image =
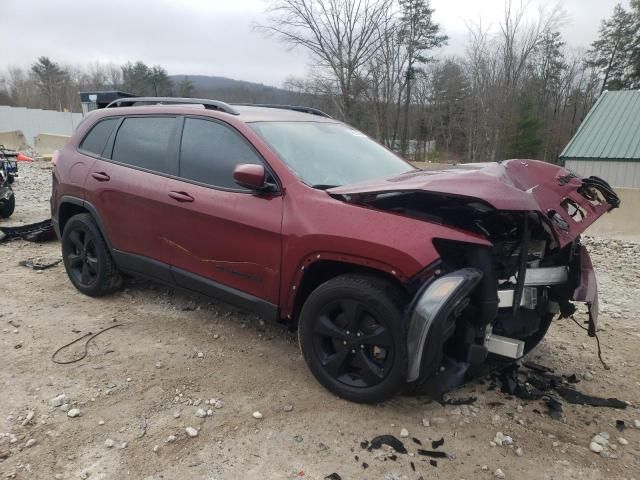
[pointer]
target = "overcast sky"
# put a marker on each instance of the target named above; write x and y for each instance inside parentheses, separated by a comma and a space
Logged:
(215, 37)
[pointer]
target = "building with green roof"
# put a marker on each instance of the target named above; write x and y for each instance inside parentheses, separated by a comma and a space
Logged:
(607, 144)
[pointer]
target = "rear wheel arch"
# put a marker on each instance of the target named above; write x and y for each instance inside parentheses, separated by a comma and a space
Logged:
(70, 206)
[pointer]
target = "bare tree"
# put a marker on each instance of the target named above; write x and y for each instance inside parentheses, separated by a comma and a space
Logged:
(384, 75)
(339, 34)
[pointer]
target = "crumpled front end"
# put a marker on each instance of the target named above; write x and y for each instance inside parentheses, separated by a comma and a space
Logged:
(480, 307)
(486, 307)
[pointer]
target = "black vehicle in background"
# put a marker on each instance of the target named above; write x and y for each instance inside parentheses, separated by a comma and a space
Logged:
(8, 173)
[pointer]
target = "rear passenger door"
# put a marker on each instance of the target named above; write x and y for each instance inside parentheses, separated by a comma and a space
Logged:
(221, 235)
(128, 188)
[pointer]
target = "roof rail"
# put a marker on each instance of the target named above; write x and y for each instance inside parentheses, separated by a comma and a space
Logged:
(206, 103)
(297, 108)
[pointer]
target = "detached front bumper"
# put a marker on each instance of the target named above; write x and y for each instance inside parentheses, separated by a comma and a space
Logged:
(430, 318)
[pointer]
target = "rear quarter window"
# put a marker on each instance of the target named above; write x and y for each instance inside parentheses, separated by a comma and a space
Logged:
(96, 140)
(146, 142)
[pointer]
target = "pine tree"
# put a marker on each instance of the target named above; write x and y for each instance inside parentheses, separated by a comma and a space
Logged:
(613, 53)
(50, 79)
(419, 34)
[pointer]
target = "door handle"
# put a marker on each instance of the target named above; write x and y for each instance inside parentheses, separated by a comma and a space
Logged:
(181, 196)
(101, 176)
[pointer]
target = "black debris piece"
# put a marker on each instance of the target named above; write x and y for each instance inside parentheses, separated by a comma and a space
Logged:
(540, 384)
(537, 367)
(578, 398)
(495, 404)
(431, 453)
(390, 440)
(437, 443)
(393, 457)
(620, 426)
(554, 408)
(357, 458)
(413, 466)
(333, 476)
(433, 463)
(416, 441)
(573, 378)
(460, 401)
(34, 232)
(35, 264)
(365, 465)
(364, 444)
(509, 379)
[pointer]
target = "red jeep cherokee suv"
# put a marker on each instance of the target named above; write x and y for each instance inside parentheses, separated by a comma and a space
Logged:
(395, 277)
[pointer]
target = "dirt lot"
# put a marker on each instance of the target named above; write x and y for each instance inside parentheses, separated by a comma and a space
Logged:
(143, 382)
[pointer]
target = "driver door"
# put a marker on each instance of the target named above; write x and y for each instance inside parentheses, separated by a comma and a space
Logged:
(222, 239)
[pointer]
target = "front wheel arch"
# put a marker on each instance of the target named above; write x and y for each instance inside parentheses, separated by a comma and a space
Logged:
(313, 274)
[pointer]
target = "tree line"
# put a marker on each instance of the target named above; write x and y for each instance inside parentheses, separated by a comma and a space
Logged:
(50, 85)
(516, 91)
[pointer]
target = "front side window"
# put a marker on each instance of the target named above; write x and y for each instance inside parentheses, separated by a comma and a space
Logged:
(145, 142)
(211, 151)
(327, 155)
(96, 140)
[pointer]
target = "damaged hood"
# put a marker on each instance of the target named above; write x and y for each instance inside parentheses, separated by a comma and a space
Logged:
(570, 203)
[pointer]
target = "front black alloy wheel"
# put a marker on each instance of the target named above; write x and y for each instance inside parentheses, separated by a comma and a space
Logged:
(87, 259)
(353, 337)
(354, 346)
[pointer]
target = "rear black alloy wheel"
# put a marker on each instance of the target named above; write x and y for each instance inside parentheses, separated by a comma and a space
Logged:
(354, 346)
(87, 258)
(353, 337)
(82, 257)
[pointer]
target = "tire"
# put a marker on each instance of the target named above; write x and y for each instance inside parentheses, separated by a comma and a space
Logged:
(353, 336)
(7, 206)
(87, 259)
(533, 340)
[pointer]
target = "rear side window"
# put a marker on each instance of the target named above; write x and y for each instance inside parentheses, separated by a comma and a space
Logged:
(96, 139)
(210, 152)
(145, 142)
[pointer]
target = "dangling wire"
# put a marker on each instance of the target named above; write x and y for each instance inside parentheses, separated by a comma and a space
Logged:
(606, 367)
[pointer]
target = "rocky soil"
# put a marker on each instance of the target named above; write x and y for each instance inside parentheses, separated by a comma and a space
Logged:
(187, 388)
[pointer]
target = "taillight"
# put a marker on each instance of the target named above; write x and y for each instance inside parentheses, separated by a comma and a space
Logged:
(54, 158)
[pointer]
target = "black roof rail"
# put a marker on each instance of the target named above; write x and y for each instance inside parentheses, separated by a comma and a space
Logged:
(206, 103)
(296, 108)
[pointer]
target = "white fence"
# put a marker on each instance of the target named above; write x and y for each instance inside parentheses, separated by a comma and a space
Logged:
(33, 121)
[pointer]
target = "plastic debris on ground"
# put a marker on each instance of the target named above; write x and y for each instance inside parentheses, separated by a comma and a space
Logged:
(541, 383)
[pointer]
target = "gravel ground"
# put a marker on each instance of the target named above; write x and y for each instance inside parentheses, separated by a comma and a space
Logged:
(173, 392)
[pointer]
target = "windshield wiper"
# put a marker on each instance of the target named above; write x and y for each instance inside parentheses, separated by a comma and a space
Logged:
(323, 186)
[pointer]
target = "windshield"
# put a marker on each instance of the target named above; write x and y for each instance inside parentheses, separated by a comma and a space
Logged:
(325, 155)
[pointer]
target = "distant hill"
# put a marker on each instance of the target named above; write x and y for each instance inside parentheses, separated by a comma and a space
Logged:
(231, 90)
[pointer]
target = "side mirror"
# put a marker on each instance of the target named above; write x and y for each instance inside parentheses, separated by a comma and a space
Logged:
(251, 176)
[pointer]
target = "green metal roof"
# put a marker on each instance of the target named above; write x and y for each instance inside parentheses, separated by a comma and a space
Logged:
(610, 131)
